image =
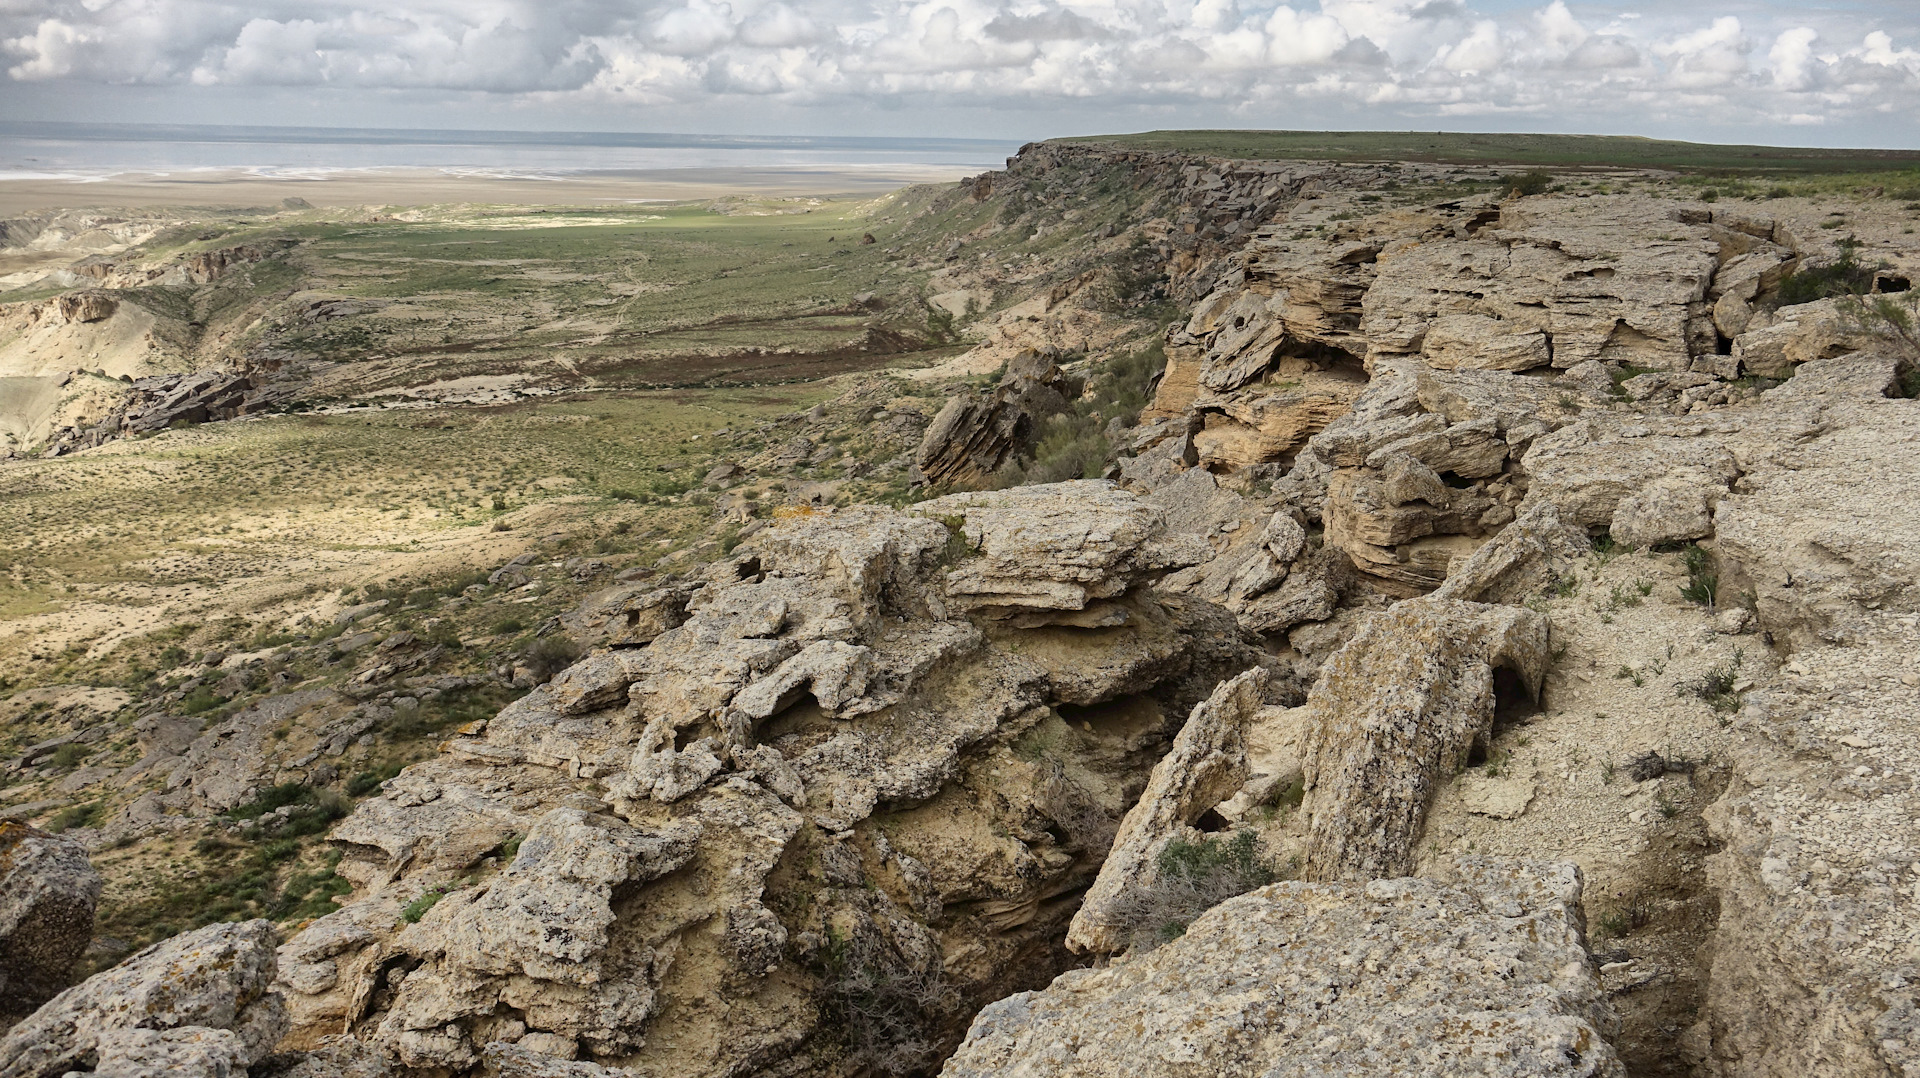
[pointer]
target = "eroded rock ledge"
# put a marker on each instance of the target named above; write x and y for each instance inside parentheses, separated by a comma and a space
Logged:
(1486, 974)
(880, 747)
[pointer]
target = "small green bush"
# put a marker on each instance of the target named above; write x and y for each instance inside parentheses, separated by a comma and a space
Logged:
(1844, 276)
(1532, 182)
(1716, 686)
(413, 911)
(85, 815)
(200, 701)
(274, 797)
(549, 655)
(1192, 878)
(958, 547)
(940, 329)
(1702, 585)
(70, 754)
(310, 894)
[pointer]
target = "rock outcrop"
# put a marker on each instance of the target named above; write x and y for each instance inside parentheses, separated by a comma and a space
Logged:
(48, 891)
(86, 306)
(975, 434)
(199, 1005)
(666, 831)
(1057, 553)
(158, 402)
(1486, 975)
(1262, 568)
(807, 807)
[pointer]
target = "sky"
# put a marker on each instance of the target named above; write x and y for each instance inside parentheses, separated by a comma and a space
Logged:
(1810, 72)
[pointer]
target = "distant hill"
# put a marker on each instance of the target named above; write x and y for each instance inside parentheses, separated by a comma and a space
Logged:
(1487, 149)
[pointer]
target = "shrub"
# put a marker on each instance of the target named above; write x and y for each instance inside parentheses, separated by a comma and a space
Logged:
(1532, 182)
(313, 811)
(1074, 444)
(1702, 586)
(885, 1015)
(367, 781)
(940, 328)
(1844, 276)
(72, 816)
(549, 655)
(274, 797)
(70, 754)
(1716, 686)
(1896, 321)
(1192, 878)
(310, 894)
(413, 911)
(202, 699)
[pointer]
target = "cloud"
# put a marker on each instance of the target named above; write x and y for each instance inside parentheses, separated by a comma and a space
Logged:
(1574, 60)
(1791, 60)
(1711, 57)
(53, 50)
(1053, 24)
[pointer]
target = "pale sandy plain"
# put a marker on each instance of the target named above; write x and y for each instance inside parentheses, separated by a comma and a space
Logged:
(425, 186)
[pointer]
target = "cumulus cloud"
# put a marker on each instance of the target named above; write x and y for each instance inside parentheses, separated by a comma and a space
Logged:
(1565, 58)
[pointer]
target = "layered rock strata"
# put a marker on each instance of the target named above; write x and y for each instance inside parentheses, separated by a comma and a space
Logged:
(622, 866)
(974, 435)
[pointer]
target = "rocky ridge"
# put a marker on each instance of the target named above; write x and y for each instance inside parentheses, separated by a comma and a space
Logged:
(873, 769)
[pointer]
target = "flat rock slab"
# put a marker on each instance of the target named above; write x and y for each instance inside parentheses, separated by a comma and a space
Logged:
(1487, 975)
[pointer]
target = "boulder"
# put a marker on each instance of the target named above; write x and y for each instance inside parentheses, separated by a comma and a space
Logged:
(628, 616)
(975, 434)
(210, 989)
(1666, 510)
(1395, 712)
(1798, 334)
(1400, 521)
(1057, 547)
(86, 307)
(48, 891)
(1527, 557)
(1296, 979)
(1586, 468)
(546, 915)
(191, 1052)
